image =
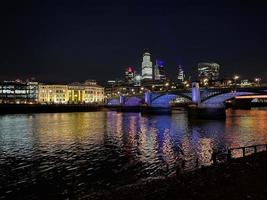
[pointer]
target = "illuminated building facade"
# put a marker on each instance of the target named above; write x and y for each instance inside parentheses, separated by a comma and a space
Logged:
(89, 92)
(53, 94)
(159, 71)
(75, 93)
(181, 75)
(18, 92)
(208, 70)
(208, 73)
(113, 87)
(147, 71)
(129, 75)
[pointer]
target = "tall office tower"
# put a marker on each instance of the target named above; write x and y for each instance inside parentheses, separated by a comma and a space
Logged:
(147, 71)
(181, 74)
(129, 75)
(156, 76)
(159, 70)
(208, 71)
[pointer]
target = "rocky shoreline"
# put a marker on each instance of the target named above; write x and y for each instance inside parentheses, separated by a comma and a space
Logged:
(241, 178)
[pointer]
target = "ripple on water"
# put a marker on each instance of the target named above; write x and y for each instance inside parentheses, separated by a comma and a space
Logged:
(76, 153)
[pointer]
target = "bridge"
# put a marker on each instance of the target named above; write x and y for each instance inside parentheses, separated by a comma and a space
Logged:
(152, 99)
(202, 98)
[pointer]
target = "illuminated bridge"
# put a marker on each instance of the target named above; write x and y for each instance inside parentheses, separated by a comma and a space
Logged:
(152, 99)
(202, 98)
(215, 97)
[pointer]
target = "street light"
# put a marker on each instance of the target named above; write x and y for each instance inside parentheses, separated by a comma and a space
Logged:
(257, 80)
(205, 82)
(236, 77)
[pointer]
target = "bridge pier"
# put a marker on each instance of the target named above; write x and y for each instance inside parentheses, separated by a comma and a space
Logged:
(196, 93)
(202, 110)
(122, 100)
(147, 97)
(150, 108)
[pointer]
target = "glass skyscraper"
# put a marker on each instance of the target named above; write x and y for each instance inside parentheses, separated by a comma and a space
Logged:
(208, 71)
(159, 70)
(181, 74)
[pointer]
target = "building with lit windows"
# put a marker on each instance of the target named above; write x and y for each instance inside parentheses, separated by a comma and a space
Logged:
(208, 70)
(147, 70)
(88, 92)
(159, 71)
(53, 94)
(93, 92)
(181, 75)
(208, 73)
(129, 75)
(18, 92)
(75, 93)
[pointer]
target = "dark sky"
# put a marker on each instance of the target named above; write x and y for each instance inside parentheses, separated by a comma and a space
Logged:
(96, 39)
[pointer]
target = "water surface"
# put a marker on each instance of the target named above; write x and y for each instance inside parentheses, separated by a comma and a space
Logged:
(74, 154)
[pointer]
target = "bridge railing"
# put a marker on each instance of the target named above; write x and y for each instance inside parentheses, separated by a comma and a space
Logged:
(245, 151)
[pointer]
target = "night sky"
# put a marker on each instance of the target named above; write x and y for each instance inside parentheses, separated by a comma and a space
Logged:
(67, 41)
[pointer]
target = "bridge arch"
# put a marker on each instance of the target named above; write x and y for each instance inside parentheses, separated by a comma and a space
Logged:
(133, 101)
(164, 100)
(113, 102)
(221, 98)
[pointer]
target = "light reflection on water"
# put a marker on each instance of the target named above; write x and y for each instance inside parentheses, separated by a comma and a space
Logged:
(104, 149)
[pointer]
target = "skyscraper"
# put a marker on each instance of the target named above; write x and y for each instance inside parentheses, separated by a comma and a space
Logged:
(159, 70)
(129, 75)
(181, 74)
(147, 70)
(209, 71)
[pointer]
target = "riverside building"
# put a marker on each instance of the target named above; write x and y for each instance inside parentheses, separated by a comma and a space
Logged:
(53, 94)
(75, 93)
(19, 92)
(88, 92)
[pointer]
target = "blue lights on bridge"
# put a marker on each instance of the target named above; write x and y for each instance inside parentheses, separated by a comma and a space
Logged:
(204, 97)
(133, 101)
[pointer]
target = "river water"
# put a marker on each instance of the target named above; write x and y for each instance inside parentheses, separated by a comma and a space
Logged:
(75, 154)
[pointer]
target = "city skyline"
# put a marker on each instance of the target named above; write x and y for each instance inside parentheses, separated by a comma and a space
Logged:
(137, 99)
(70, 41)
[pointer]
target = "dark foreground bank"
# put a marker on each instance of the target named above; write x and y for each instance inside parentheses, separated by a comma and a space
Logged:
(242, 178)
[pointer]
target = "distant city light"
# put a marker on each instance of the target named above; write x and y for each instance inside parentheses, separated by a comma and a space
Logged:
(236, 77)
(257, 80)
